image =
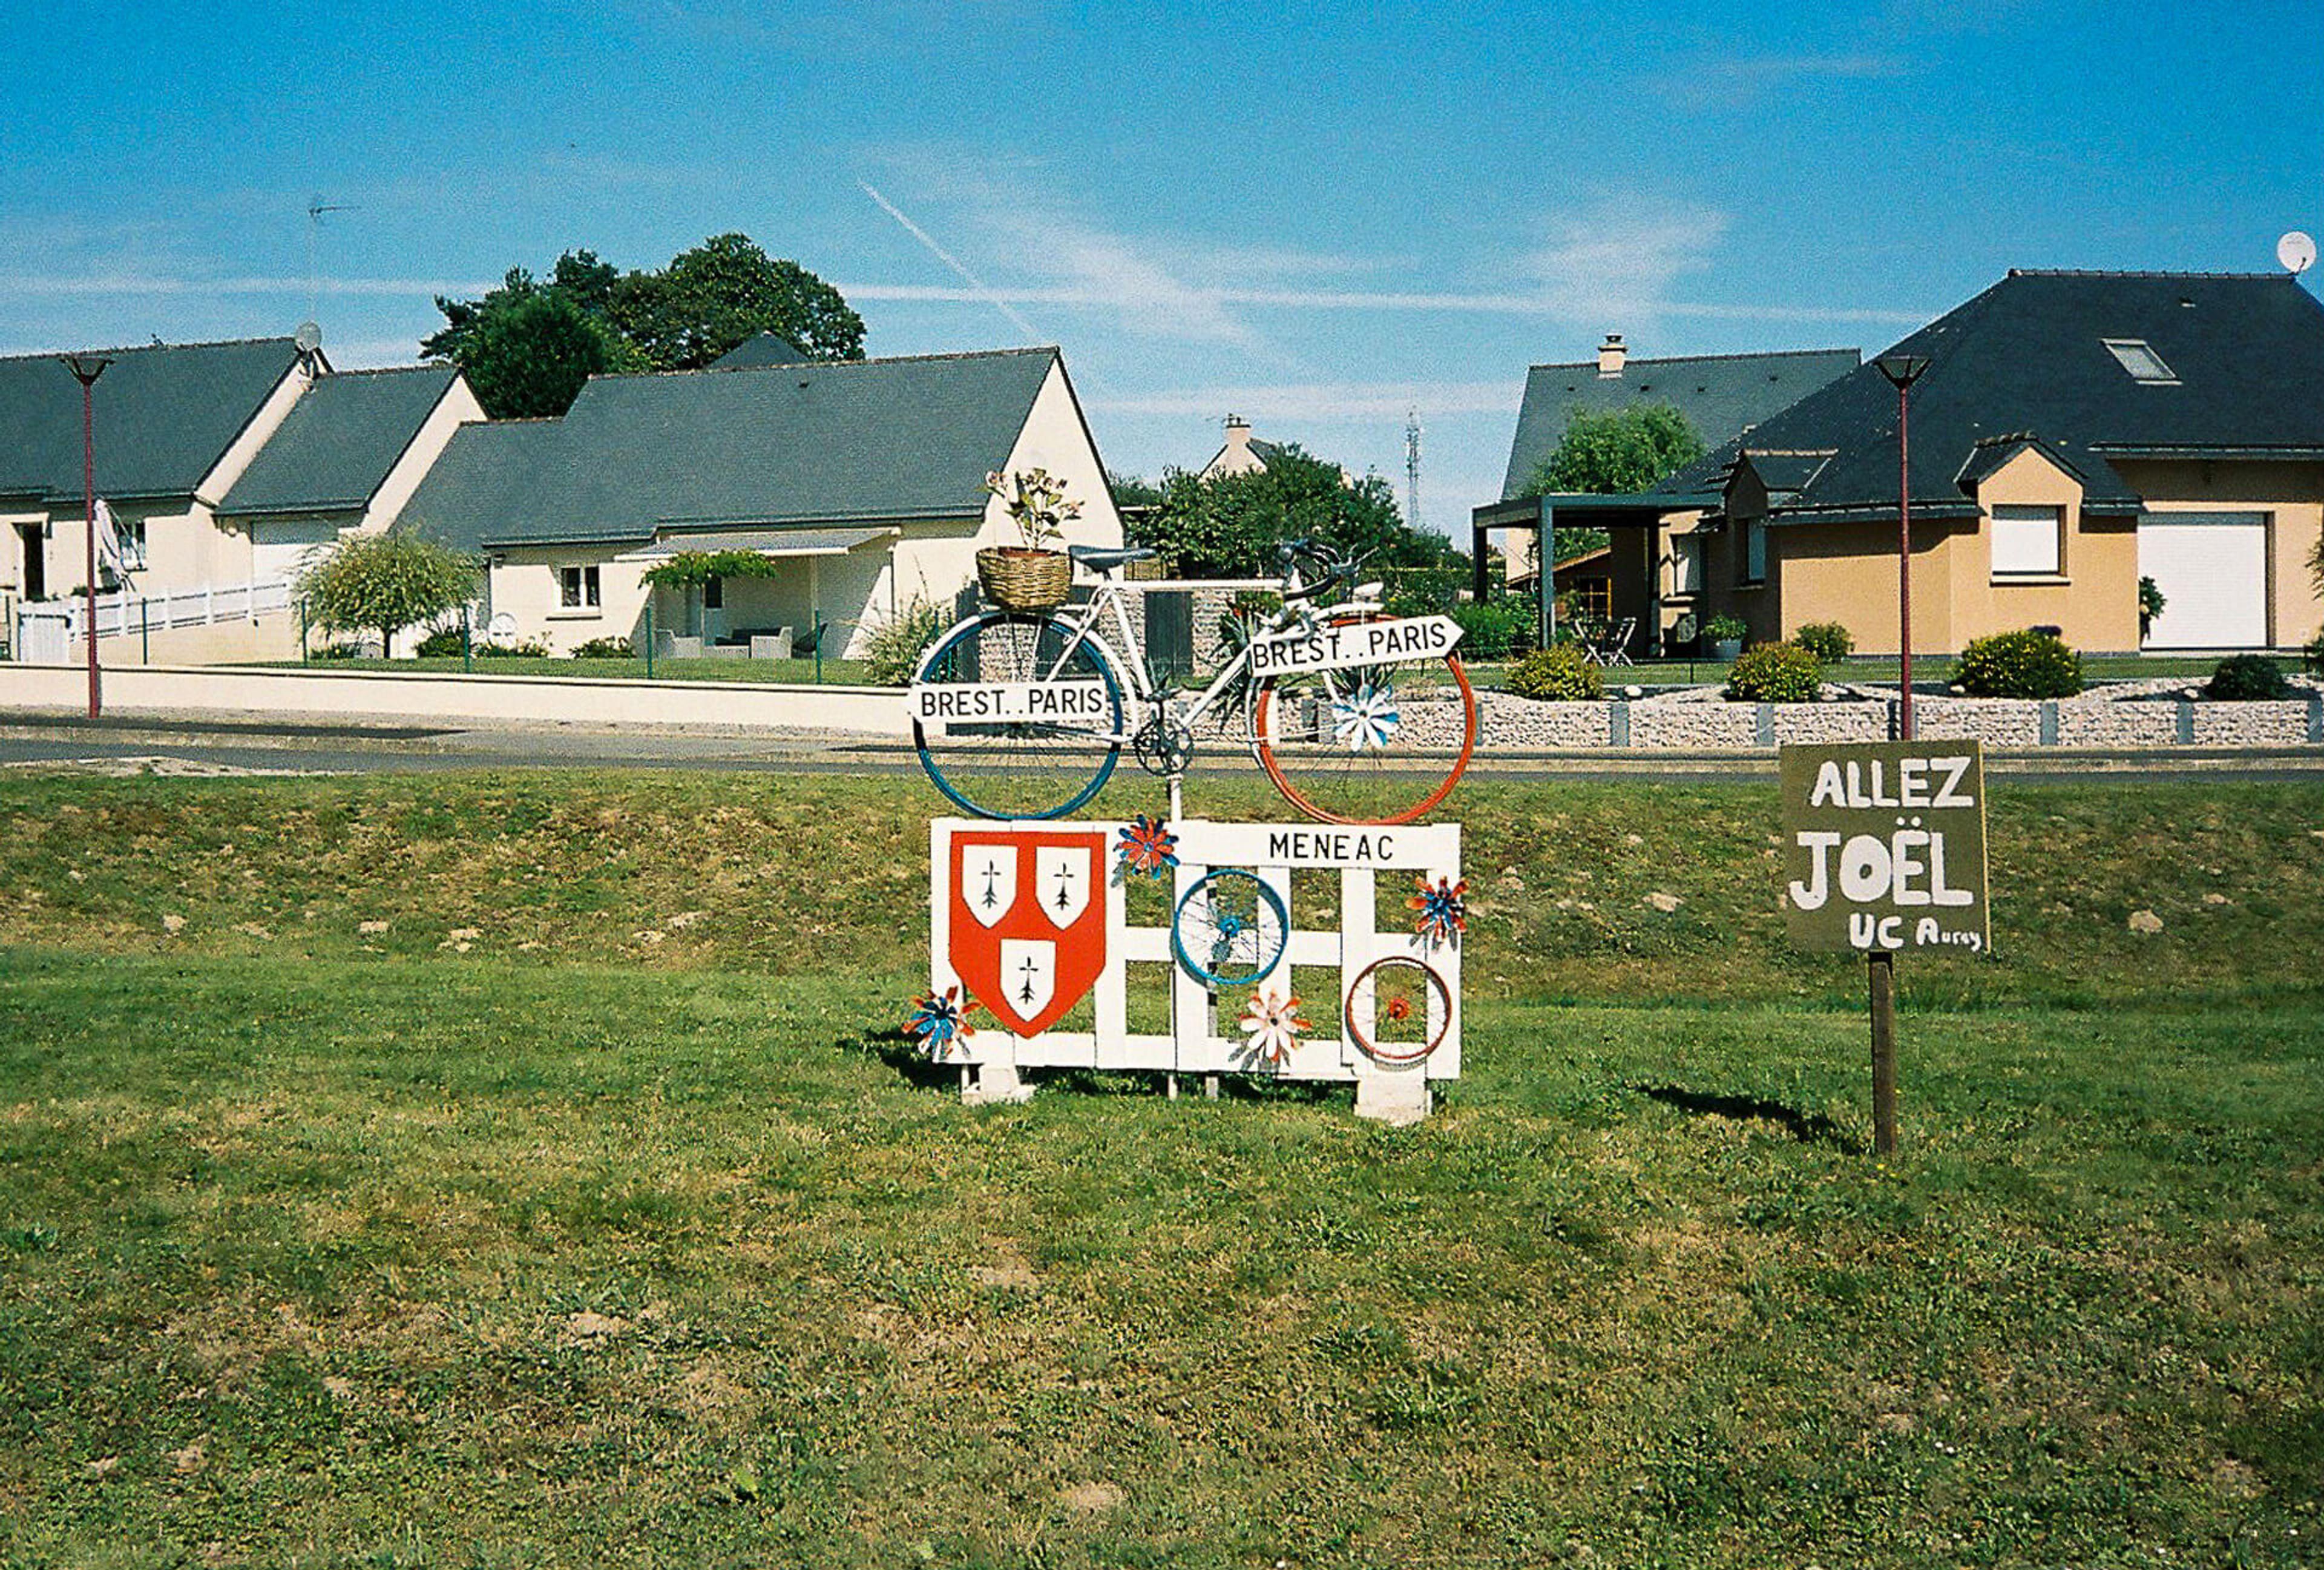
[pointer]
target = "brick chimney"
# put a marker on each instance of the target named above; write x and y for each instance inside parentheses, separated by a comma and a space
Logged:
(1611, 353)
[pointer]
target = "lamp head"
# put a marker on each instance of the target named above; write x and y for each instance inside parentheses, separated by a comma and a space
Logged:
(1902, 370)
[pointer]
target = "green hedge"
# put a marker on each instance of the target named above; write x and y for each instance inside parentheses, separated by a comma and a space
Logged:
(1558, 674)
(2247, 679)
(2027, 664)
(1776, 673)
(1827, 641)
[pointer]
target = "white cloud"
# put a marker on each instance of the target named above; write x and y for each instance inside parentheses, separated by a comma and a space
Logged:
(1619, 261)
(1738, 83)
(146, 284)
(1486, 302)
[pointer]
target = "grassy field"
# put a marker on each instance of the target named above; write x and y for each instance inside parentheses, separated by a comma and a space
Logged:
(499, 1171)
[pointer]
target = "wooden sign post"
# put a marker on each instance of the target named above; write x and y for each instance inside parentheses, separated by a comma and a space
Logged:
(1884, 852)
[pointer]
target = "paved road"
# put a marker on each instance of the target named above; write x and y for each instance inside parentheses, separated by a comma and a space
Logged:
(207, 744)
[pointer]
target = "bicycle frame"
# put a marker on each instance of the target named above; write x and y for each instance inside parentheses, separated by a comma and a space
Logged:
(1150, 697)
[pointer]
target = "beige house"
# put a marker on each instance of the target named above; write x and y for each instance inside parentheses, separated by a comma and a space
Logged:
(346, 458)
(2071, 433)
(862, 480)
(1243, 454)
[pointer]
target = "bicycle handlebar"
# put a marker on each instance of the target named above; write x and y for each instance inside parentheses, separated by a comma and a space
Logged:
(1330, 569)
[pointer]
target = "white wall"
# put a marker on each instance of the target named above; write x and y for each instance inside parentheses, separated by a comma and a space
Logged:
(457, 408)
(342, 694)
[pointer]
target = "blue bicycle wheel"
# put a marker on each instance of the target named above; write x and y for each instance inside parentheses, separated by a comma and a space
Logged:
(1230, 928)
(1017, 767)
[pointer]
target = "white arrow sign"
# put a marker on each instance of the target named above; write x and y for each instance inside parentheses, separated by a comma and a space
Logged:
(1353, 643)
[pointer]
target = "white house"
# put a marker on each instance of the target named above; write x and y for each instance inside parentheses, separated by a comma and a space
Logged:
(863, 478)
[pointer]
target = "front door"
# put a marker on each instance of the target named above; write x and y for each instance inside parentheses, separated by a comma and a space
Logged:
(36, 562)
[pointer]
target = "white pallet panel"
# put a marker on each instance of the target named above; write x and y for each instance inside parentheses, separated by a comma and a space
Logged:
(1206, 1035)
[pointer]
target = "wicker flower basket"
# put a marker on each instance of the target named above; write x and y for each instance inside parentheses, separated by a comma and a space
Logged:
(1017, 579)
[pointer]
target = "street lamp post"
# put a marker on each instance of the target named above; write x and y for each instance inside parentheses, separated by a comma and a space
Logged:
(86, 370)
(1880, 965)
(1903, 371)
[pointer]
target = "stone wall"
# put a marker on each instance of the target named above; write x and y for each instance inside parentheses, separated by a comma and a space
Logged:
(2156, 714)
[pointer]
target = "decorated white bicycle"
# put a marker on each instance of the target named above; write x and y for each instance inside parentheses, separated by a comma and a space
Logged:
(1357, 715)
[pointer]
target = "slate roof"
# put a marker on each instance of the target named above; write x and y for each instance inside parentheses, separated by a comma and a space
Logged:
(339, 441)
(2025, 364)
(166, 414)
(773, 542)
(1721, 395)
(699, 451)
(762, 350)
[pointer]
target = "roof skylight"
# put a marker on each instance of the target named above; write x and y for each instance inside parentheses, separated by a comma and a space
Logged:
(2141, 361)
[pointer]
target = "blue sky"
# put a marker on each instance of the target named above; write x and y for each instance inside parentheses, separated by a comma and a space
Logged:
(1317, 216)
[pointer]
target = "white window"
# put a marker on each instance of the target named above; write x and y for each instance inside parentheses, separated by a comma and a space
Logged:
(1755, 552)
(576, 588)
(130, 531)
(1686, 564)
(2138, 358)
(2026, 542)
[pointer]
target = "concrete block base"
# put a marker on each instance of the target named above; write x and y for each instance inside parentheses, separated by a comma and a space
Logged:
(1399, 1100)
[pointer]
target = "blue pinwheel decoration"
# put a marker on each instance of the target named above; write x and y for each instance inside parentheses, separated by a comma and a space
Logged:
(1443, 907)
(939, 1020)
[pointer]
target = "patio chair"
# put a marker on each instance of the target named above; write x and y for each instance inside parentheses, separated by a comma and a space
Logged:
(1614, 648)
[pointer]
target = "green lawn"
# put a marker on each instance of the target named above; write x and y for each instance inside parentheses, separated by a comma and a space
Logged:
(587, 1211)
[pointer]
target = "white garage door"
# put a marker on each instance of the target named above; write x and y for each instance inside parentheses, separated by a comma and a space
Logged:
(2212, 570)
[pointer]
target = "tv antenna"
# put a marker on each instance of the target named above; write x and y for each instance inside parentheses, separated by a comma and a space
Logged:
(316, 207)
(2297, 252)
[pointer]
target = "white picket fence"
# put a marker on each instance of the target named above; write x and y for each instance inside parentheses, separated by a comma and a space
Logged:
(48, 632)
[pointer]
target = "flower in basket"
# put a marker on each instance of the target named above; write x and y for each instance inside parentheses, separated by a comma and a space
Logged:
(1035, 499)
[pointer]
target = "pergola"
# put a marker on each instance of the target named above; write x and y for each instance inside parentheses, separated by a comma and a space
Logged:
(1541, 515)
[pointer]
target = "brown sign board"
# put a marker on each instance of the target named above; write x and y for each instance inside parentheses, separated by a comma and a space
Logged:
(1884, 848)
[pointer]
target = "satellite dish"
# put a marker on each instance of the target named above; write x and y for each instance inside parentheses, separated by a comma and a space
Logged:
(308, 338)
(2297, 252)
(500, 626)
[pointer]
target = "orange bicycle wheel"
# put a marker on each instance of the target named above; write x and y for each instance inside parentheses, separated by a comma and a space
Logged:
(1374, 744)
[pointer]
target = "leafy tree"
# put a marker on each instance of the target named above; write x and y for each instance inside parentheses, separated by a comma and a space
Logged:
(1612, 454)
(1617, 452)
(727, 290)
(528, 353)
(385, 583)
(1228, 526)
(1132, 491)
(534, 343)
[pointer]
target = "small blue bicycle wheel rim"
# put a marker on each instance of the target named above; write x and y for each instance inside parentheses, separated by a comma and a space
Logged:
(1202, 898)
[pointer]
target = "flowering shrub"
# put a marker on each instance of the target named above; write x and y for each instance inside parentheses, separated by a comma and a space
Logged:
(1035, 499)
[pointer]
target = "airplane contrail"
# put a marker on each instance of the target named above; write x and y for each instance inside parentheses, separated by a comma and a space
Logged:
(949, 260)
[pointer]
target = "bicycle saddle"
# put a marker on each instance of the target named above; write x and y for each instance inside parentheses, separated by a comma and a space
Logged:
(1102, 558)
